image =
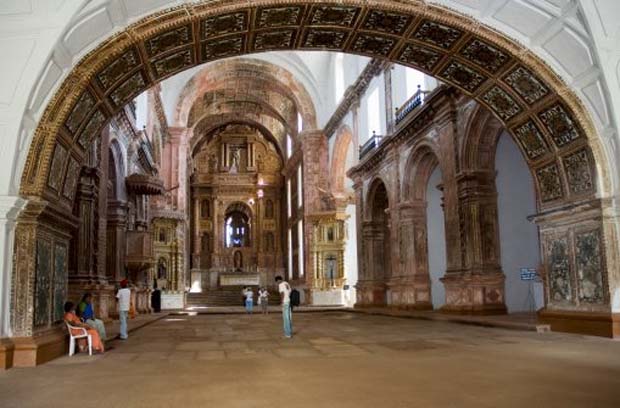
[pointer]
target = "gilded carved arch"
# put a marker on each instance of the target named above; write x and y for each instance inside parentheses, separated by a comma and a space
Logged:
(546, 118)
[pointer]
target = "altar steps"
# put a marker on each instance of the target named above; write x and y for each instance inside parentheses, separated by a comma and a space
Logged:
(225, 296)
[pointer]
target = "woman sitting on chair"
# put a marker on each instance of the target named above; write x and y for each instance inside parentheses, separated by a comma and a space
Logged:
(74, 320)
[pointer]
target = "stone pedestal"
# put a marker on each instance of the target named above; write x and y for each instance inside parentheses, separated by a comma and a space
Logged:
(327, 297)
(474, 293)
(172, 300)
(371, 293)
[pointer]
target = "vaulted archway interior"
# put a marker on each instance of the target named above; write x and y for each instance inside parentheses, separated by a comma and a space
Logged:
(247, 130)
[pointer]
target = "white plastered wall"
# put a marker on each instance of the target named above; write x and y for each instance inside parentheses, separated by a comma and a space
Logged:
(436, 235)
(518, 237)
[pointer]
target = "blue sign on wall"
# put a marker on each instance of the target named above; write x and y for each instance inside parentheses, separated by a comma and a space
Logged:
(528, 274)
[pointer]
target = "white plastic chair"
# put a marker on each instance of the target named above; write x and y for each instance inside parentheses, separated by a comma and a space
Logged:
(74, 337)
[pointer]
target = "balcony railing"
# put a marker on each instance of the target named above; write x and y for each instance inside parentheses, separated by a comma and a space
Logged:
(416, 100)
(370, 145)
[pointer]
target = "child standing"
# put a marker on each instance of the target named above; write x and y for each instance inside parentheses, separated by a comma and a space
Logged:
(249, 300)
(263, 300)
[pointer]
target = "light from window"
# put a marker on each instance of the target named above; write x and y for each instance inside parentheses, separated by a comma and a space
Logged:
(288, 197)
(413, 78)
(289, 146)
(339, 76)
(300, 122)
(374, 114)
(290, 254)
(300, 231)
(300, 192)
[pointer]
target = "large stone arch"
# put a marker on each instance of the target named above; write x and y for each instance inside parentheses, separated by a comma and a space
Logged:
(277, 78)
(344, 140)
(486, 65)
(216, 121)
(418, 168)
(480, 140)
(521, 90)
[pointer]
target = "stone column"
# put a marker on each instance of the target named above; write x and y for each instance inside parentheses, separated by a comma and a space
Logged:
(389, 110)
(580, 269)
(355, 137)
(84, 246)
(116, 229)
(196, 239)
(479, 287)
(10, 207)
(315, 153)
(411, 288)
(102, 197)
(39, 284)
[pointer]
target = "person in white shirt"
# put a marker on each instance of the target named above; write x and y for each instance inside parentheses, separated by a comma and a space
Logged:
(249, 300)
(285, 297)
(124, 300)
(263, 300)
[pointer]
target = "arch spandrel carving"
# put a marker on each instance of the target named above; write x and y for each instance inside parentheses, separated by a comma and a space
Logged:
(493, 69)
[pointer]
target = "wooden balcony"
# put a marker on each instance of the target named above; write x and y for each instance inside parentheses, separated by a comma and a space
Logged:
(140, 254)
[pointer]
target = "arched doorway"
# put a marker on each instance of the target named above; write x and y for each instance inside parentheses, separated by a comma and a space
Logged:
(420, 252)
(377, 248)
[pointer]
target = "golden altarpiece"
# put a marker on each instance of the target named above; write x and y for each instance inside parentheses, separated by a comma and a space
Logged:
(328, 241)
(236, 217)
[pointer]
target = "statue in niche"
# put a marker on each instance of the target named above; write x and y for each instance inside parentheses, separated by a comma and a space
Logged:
(212, 166)
(330, 234)
(161, 269)
(259, 163)
(234, 160)
(330, 267)
(162, 235)
(238, 260)
(205, 209)
(269, 209)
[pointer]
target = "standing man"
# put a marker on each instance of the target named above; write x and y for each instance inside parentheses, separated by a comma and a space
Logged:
(124, 300)
(285, 298)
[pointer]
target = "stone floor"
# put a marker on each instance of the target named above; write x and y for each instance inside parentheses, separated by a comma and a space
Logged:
(336, 359)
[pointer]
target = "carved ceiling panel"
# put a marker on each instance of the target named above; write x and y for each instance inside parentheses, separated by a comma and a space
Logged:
(168, 40)
(549, 183)
(531, 140)
(334, 15)
(520, 90)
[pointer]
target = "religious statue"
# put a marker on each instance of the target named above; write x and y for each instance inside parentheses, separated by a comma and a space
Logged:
(212, 163)
(161, 270)
(234, 160)
(238, 260)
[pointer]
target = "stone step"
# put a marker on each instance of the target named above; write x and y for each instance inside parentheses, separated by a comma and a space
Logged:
(225, 296)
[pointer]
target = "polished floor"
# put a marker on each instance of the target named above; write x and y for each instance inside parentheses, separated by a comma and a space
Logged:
(336, 359)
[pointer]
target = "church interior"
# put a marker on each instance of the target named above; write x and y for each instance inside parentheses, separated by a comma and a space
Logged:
(437, 180)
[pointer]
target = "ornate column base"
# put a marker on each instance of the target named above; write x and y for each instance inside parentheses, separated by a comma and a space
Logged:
(7, 349)
(371, 294)
(605, 324)
(32, 351)
(467, 293)
(411, 293)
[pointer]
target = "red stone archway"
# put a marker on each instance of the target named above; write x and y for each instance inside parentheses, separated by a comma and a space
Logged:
(344, 141)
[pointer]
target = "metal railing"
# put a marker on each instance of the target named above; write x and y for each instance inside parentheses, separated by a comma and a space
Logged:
(416, 100)
(370, 145)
